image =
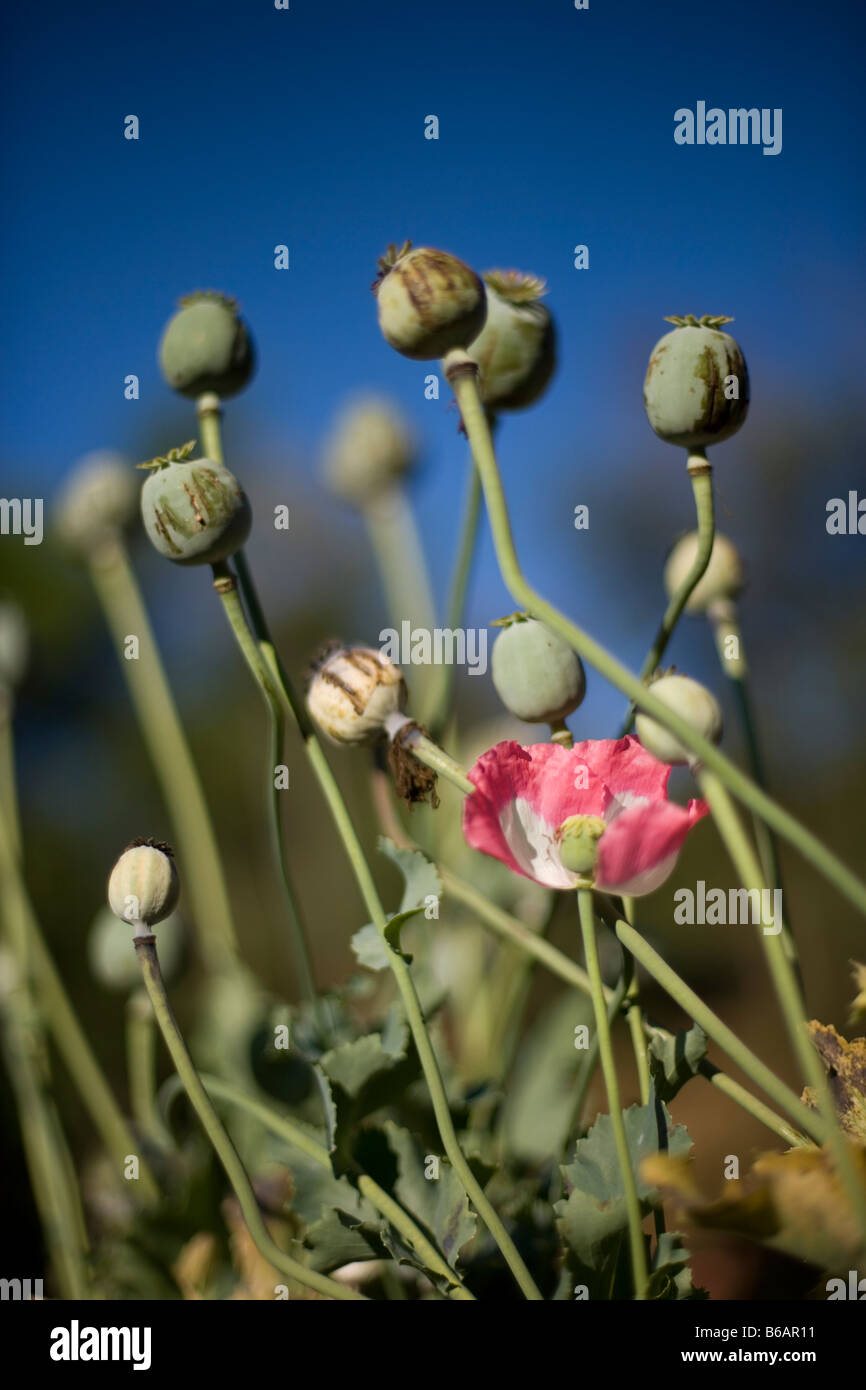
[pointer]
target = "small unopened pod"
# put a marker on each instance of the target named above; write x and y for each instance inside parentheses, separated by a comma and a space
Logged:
(97, 501)
(144, 887)
(351, 693)
(369, 450)
(428, 301)
(693, 703)
(722, 579)
(537, 676)
(696, 391)
(516, 348)
(194, 510)
(206, 346)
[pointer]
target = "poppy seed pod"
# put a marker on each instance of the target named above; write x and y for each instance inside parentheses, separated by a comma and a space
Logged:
(516, 348)
(428, 301)
(352, 692)
(696, 391)
(537, 676)
(144, 887)
(194, 510)
(97, 501)
(206, 346)
(369, 450)
(722, 579)
(693, 703)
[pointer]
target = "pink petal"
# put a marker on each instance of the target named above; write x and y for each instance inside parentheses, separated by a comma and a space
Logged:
(544, 776)
(639, 849)
(625, 767)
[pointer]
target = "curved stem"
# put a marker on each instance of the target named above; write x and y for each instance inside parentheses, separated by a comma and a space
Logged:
(469, 528)
(637, 1246)
(166, 742)
(285, 1128)
(701, 474)
(145, 949)
(226, 587)
(787, 989)
(462, 374)
(141, 1066)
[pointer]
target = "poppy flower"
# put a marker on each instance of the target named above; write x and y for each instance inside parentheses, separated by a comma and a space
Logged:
(593, 815)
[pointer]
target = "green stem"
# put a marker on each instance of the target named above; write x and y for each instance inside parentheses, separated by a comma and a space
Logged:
(226, 587)
(8, 792)
(701, 474)
(787, 989)
(637, 1245)
(614, 1001)
(809, 1122)
(141, 1066)
(166, 742)
(737, 1093)
(286, 1128)
(469, 528)
(257, 654)
(462, 374)
(145, 949)
(81, 1065)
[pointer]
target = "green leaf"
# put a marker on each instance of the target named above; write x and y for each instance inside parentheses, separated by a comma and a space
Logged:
(675, 1060)
(338, 1239)
(592, 1219)
(362, 1076)
(369, 948)
(670, 1277)
(421, 879)
(439, 1204)
(538, 1107)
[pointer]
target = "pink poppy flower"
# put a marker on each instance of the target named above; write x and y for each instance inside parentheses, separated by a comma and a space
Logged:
(597, 812)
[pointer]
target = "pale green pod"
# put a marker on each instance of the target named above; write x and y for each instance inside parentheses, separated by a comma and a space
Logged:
(693, 703)
(194, 510)
(206, 346)
(722, 579)
(113, 962)
(97, 501)
(516, 348)
(428, 302)
(696, 391)
(369, 450)
(144, 888)
(537, 676)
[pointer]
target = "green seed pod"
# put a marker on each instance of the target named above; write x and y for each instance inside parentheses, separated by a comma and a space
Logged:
(194, 510)
(722, 579)
(538, 677)
(114, 965)
(693, 703)
(98, 500)
(206, 346)
(352, 692)
(369, 450)
(691, 376)
(14, 643)
(428, 301)
(516, 348)
(144, 887)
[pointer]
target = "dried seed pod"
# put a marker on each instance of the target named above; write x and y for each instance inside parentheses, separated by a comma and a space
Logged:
(516, 348)
(369, 450)
(696, 391)
(144, 888)
(352, 692)
(538, 676)
(693, 703)
(429, 302)
(194, 510)
(722, 579)
(205, 346)
(97, 501)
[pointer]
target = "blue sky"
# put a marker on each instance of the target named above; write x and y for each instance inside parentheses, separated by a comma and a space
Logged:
(305, 127)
